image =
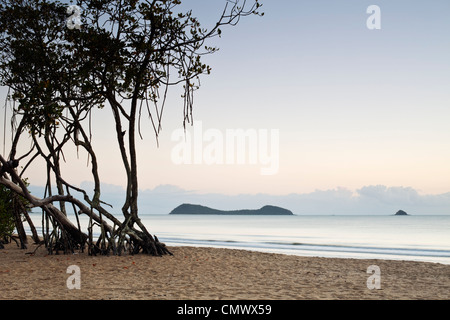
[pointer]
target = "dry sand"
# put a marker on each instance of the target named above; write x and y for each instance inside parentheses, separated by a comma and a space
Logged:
(210, 273)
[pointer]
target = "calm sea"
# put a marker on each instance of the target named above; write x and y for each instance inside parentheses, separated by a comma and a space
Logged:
(418, 238)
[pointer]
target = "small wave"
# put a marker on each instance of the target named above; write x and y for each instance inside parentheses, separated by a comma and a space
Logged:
(226, 241)
(366, 250)
(324, 250)
(360, 248)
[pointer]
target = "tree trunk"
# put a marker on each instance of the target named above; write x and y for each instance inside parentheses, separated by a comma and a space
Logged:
(34, 233)
(17, 209)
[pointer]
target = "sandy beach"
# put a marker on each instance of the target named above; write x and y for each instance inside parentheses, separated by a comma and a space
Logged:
(209, 273)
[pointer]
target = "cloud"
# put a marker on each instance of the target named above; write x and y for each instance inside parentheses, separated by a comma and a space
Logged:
(379, 199)
(405, 198)
(373, 199)
(106, 188)
(391, 195)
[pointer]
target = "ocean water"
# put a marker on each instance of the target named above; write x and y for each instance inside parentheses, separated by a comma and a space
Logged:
(417, 238)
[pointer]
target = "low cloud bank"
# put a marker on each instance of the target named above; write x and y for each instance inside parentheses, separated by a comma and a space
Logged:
(375, 199)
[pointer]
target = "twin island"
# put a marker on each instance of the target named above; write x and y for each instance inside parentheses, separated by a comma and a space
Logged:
(187, 208)
(198, 209)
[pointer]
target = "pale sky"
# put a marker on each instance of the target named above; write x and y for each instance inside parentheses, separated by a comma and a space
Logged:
(353, 107)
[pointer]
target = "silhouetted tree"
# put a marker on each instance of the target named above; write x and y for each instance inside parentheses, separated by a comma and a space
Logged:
(126, 52)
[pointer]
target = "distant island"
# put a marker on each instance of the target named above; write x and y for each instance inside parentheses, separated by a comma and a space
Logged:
(401, 213)
(198, 209)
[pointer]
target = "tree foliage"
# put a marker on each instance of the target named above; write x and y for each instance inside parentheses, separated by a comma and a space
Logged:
(13, 210)
(6, 216)
(124, 58)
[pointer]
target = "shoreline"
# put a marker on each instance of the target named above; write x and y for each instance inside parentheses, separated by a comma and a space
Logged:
(322, 254)
(206, 273)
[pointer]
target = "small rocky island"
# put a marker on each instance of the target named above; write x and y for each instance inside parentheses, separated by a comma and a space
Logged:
(198, 209)
(401, 213)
